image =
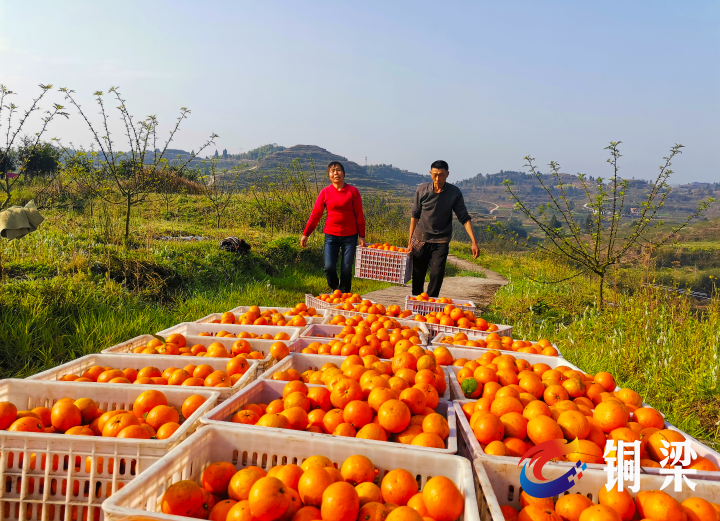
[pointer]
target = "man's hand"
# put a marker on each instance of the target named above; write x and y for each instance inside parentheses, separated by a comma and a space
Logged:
(475, 250)
(303, 241)
(410, 245)
(362, 242)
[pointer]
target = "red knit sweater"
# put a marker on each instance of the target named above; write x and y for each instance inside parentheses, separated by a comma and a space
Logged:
(344, 212)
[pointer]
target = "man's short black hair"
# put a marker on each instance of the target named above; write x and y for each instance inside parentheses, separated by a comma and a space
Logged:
(336, 163)
(440, 165)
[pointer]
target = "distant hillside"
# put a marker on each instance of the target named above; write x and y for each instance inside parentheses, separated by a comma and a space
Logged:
(378, 177)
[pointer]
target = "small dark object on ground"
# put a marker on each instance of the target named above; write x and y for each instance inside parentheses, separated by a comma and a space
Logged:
(235, 245)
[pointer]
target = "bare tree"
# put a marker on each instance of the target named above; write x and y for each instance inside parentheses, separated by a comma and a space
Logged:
(596, 244)
(219, 187)
(128, 177)
(8, 158)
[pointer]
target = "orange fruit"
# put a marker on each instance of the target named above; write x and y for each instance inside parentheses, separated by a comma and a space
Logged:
(220, 511)
(570, 506)
(279, 350)
(64, 416)
(488, 427)
(368, 492)
(191, 404)
(358, 469)
(606, 380)
(373, 511)
(398, 486)
(394, 416)
(132, 431)
(307, 514)
(404, 513)
(599, 513)
(610, 416)
(88, 410)
(289, 474)
(655, 504)
(147, 401)
(698, 509)
(216, 477)
(182, 498)
(428, 439)
(340, 502)
(242, 481)
(443, 499)
(117, 423)
(541, 428)
(161, 415)
(312, 485)
(26, 424)
(166, 430)
(372, 431)
(268, 499)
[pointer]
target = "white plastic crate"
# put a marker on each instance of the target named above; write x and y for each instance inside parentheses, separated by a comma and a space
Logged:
(437, 341)
(329, 331)
(331, 313)
(194, 329)
(437, 329)
(308, 320)
(475, 450)
(265, 391)
(552, 361)
(263, 346)
(42, 485)
(502, 480)
(129, 345)
(301, 362)
(388, 266)
(80, 365)
(473, 353)
(423, 307)
(213, 443)
(314, 302)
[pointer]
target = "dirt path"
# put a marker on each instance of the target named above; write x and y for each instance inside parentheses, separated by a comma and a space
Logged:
(479, 290)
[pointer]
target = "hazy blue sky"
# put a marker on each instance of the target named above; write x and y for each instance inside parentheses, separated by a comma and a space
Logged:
(479, 84)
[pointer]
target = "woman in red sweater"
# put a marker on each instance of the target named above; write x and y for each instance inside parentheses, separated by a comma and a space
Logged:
(345, 223)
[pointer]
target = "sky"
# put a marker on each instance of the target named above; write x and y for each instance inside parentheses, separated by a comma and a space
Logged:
(479, 84)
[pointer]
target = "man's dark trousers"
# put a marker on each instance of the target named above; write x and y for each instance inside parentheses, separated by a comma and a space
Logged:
(432, 255)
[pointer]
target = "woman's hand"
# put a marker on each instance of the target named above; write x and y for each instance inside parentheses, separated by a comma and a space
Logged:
(303, 241)
(362, 242)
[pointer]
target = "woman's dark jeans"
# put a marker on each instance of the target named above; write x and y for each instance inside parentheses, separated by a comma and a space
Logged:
(335, 245)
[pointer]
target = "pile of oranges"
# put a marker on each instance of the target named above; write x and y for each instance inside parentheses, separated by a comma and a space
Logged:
(410, 364)
(456, 317)
(315, 490)
(270, 317)
(424, 297)
(350, 410)
(338, 297)
(613, 505)
(503, 343)
(198, 375)
(246, 334)
(393, 311)
(387, 247)
(521, 405)
(364, 397)
(151, 417)
(176, 344)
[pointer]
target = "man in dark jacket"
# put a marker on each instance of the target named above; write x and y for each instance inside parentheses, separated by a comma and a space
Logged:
(431, 228)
